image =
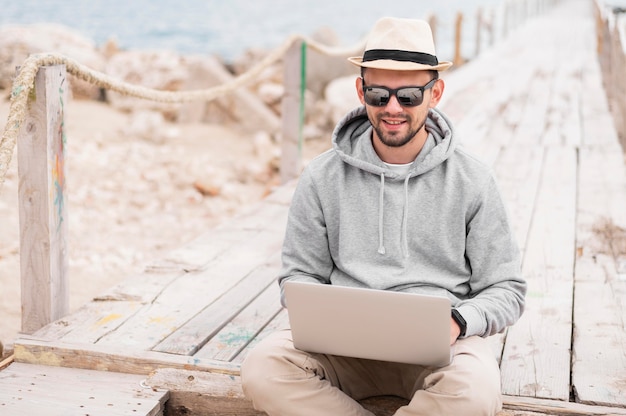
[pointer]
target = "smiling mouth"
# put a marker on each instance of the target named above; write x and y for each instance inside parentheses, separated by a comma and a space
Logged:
(394, 122)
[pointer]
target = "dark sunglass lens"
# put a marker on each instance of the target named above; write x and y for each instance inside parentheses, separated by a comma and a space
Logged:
(377, 97)
(410, 96)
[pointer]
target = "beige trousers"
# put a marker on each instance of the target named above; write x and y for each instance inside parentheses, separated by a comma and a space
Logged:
(283, 381)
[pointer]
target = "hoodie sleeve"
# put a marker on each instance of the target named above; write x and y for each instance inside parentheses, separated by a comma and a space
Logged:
(305, 255)
(497, 289)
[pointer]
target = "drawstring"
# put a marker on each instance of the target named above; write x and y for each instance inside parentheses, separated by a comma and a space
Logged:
(405, 217)
(381, 247)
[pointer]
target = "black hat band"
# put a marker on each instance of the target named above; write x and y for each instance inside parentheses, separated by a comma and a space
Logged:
(398, 55)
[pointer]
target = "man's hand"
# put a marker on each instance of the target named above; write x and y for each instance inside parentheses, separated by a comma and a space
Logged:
(455, 331)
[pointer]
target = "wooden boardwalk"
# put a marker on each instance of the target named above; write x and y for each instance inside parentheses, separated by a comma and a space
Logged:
(534, 108)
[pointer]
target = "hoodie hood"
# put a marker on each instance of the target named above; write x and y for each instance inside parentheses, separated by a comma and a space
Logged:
(351, 140)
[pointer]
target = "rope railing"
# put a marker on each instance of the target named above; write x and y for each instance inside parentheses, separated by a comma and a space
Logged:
(24, 83)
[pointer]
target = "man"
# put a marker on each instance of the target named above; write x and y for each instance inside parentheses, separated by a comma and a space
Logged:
(396, 205)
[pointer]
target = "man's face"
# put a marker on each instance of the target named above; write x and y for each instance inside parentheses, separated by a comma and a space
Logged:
(396, 125)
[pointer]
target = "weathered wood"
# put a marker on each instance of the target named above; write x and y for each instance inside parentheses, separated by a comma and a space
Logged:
(244, 327)
(110, 358)
(197, 254)
(197, 392)
(42, 205)
(536, 360)
(519, 172)
(558, 408)
(30, 389)
(191, 292)
(201, 328)
(106, 312)
(600, 313)
(280, 321)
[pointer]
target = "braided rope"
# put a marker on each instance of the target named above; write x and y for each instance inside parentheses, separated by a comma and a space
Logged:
(25, 80)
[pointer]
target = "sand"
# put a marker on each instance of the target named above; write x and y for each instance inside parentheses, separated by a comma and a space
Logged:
(133, 199)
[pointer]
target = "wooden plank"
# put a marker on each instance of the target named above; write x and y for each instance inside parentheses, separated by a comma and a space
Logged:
(109, 358)
(280, 321)
(106, 312)
(268, 214)
(599, 363)
(598, 127)
(91, 322)
(238, 333)
(518, 172)
(536, 359)
(530, 129)
(201, 393)
(190, 293)
(26, 388)
(558, 408)
(196, 333)
(563, 118)
(196, 255)
(42, 207)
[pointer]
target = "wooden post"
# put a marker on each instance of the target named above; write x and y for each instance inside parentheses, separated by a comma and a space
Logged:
(292, 108)
(458, 28)
(42, 204)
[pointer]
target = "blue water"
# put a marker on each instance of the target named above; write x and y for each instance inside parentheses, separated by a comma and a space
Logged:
(228, 27)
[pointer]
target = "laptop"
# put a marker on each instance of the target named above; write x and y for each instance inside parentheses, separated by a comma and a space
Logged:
(368, 323)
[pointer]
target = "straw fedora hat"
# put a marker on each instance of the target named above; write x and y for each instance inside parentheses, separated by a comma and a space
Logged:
(400, 44)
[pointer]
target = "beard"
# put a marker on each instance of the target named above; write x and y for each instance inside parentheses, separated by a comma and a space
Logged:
(397, 138)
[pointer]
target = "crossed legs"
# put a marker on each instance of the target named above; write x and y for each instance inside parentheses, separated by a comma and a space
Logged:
(281, 380)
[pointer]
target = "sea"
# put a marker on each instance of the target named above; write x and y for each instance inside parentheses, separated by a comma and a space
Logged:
(227, 28)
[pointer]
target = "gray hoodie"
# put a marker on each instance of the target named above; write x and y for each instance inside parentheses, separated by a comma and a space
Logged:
(442, 229)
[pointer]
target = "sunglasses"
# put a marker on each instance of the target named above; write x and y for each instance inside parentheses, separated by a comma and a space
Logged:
(407, 96)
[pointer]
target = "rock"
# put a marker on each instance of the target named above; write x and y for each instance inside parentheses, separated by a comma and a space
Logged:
(271, 93)
(17, 42)
(241, 104)
(321, 68)
(198, 77)
(160, 70)
(151, 126)
(341, 97)
(207, 188)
